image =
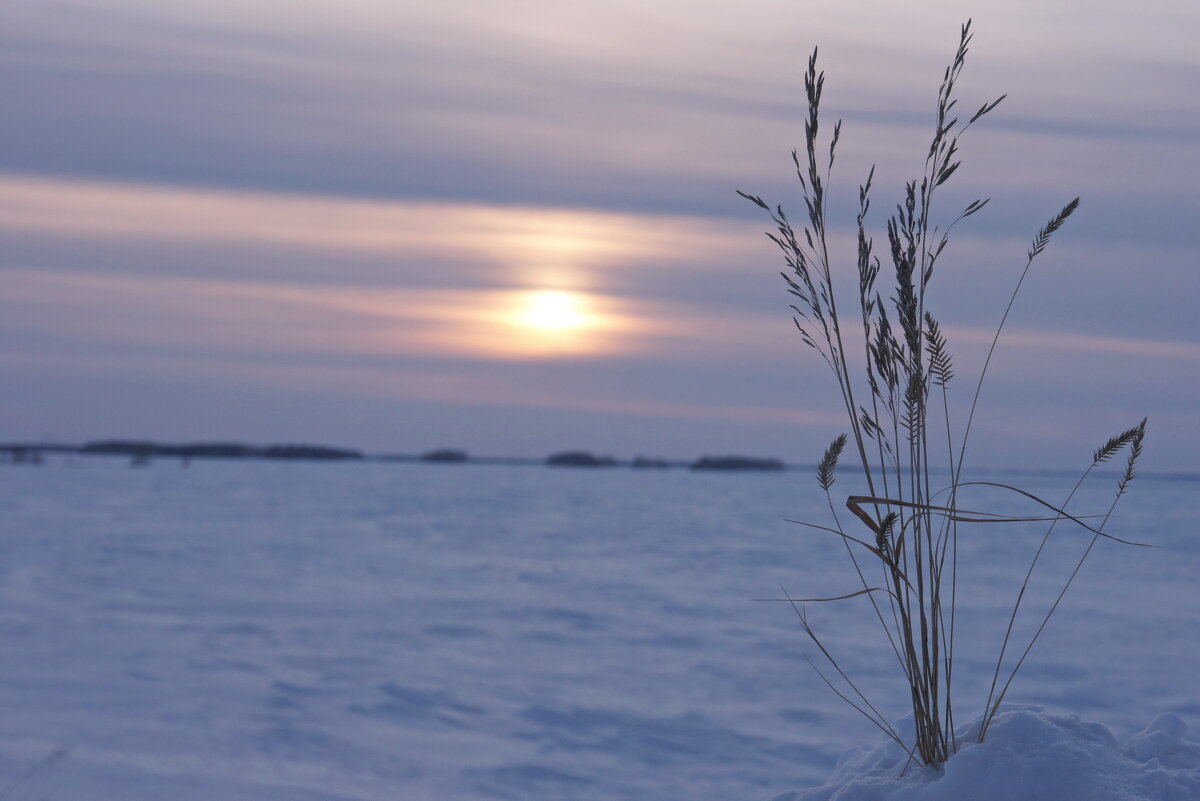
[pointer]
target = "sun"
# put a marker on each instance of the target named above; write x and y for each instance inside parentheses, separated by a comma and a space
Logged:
(556, 323)
(554, 311)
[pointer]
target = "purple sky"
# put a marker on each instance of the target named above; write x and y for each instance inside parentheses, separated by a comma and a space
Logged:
(511, 226)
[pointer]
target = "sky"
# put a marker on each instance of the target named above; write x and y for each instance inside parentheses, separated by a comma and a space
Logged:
(511, 226)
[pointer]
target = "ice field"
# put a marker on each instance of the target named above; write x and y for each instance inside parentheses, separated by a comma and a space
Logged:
(256, 630)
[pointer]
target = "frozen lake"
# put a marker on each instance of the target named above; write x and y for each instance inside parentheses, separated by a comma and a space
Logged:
(252, 630)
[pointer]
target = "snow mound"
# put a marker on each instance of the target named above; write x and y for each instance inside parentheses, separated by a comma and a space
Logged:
(1028, 756)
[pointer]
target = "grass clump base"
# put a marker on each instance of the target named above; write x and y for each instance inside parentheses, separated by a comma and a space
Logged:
(1029, 755)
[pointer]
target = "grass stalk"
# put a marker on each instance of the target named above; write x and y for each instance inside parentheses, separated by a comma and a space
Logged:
(913, 539)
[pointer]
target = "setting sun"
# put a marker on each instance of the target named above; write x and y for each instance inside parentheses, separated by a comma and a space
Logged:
(537, 323)
(554, 311)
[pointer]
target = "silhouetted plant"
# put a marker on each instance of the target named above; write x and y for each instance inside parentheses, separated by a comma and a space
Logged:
(913, 541)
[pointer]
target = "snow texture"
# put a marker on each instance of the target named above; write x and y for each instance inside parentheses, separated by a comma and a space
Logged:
(1028, 756)
(251, 631)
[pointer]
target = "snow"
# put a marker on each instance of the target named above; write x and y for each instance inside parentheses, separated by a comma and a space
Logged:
(250, 630)
(1028, 756)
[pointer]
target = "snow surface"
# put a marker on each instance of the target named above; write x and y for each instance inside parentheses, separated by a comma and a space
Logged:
(251, 630)
(1028, 756)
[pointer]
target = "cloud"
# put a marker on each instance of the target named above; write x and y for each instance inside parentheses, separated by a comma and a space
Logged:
(615, 105)
(533, 241)
(1068, 342)
(448, 278)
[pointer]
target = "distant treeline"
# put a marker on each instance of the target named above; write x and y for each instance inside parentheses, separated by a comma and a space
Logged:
(736, 463)
(141, 451)
(588, 459)
(585, 459)
(215, 450)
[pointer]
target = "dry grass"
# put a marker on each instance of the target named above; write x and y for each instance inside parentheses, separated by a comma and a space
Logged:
(912, 545)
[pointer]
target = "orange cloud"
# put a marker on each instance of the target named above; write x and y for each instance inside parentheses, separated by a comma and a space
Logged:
(245, 317)
(537, 247)
(534, 254)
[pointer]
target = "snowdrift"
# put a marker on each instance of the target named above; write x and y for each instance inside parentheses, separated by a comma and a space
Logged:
(1028, 756)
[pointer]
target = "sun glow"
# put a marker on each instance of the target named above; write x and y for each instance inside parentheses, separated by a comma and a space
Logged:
(554, 311)
(558, 264)
(561, 323)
